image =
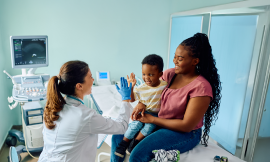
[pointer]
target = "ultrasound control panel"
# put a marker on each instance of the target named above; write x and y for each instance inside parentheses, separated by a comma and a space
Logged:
(31, 88)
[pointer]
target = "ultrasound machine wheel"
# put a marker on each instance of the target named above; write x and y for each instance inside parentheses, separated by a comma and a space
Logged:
(11, 141)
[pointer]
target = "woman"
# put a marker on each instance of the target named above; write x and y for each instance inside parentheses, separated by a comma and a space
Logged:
(191, 97)
(70, 131)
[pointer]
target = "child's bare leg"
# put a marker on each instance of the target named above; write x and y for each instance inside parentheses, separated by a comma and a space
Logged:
(140, 137)
(126, 139)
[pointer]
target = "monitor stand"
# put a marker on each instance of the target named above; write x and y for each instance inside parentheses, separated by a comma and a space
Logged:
(23, 72)
(30, 72)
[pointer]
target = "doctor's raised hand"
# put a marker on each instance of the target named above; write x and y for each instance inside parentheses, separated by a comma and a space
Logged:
(125, 90)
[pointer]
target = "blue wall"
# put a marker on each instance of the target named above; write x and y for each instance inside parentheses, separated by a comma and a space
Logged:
(114, 37)
(7, 117)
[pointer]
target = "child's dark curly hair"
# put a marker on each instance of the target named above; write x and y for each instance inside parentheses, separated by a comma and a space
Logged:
(154, 59)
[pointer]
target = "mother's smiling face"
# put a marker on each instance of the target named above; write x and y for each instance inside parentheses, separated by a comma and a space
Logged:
(184, 62)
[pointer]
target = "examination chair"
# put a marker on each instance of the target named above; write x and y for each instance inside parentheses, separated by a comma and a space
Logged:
(13, 156)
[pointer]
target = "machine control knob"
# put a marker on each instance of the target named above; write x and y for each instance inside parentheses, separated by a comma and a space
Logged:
(34, 94)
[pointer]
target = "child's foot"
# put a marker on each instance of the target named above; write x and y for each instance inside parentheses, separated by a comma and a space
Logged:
(133, 143)
(121, 148)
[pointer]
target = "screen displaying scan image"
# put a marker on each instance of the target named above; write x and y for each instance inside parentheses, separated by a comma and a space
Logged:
(29, 51)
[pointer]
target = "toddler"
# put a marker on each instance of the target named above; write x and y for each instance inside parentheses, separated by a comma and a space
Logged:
(149, 94)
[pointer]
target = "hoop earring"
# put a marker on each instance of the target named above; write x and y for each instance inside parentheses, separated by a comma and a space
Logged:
(197, 68)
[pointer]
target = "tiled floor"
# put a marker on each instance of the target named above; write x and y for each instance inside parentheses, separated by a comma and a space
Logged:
(262, 150)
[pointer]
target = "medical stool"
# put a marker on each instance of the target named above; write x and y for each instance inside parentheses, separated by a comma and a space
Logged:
(13, 156)
(103, 153)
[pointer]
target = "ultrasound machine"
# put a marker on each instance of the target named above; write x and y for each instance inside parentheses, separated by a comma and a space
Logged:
(28, 52)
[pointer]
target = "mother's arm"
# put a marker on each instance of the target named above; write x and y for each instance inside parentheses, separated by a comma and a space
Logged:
(195, 111)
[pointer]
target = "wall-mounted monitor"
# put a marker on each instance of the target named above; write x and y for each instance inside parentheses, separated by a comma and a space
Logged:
(103, 78)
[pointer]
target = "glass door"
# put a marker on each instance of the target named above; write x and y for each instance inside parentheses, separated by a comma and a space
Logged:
(237, 37)
(232, 39)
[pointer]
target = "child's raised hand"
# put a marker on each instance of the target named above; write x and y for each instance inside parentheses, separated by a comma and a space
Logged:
(131, 79)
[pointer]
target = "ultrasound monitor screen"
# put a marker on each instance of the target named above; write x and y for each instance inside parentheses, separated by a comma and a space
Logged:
(29, 51)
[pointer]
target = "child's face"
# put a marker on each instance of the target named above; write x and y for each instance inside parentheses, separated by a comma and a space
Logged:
(151, 75)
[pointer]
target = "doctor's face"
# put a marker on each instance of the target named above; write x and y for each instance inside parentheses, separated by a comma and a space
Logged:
(88, 83)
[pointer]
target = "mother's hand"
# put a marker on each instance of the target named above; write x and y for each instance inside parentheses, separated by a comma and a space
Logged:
(146, 118)
(139, 108)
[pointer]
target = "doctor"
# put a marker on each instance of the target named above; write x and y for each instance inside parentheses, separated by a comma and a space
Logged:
(71, 129)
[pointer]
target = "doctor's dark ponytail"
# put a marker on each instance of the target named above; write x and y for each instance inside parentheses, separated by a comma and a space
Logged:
(70, 74)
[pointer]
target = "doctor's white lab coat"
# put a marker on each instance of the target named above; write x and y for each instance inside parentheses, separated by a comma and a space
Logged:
(75, 136)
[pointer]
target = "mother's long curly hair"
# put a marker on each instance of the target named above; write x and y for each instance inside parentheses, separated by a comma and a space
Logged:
(199, 47)
(70, 74)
